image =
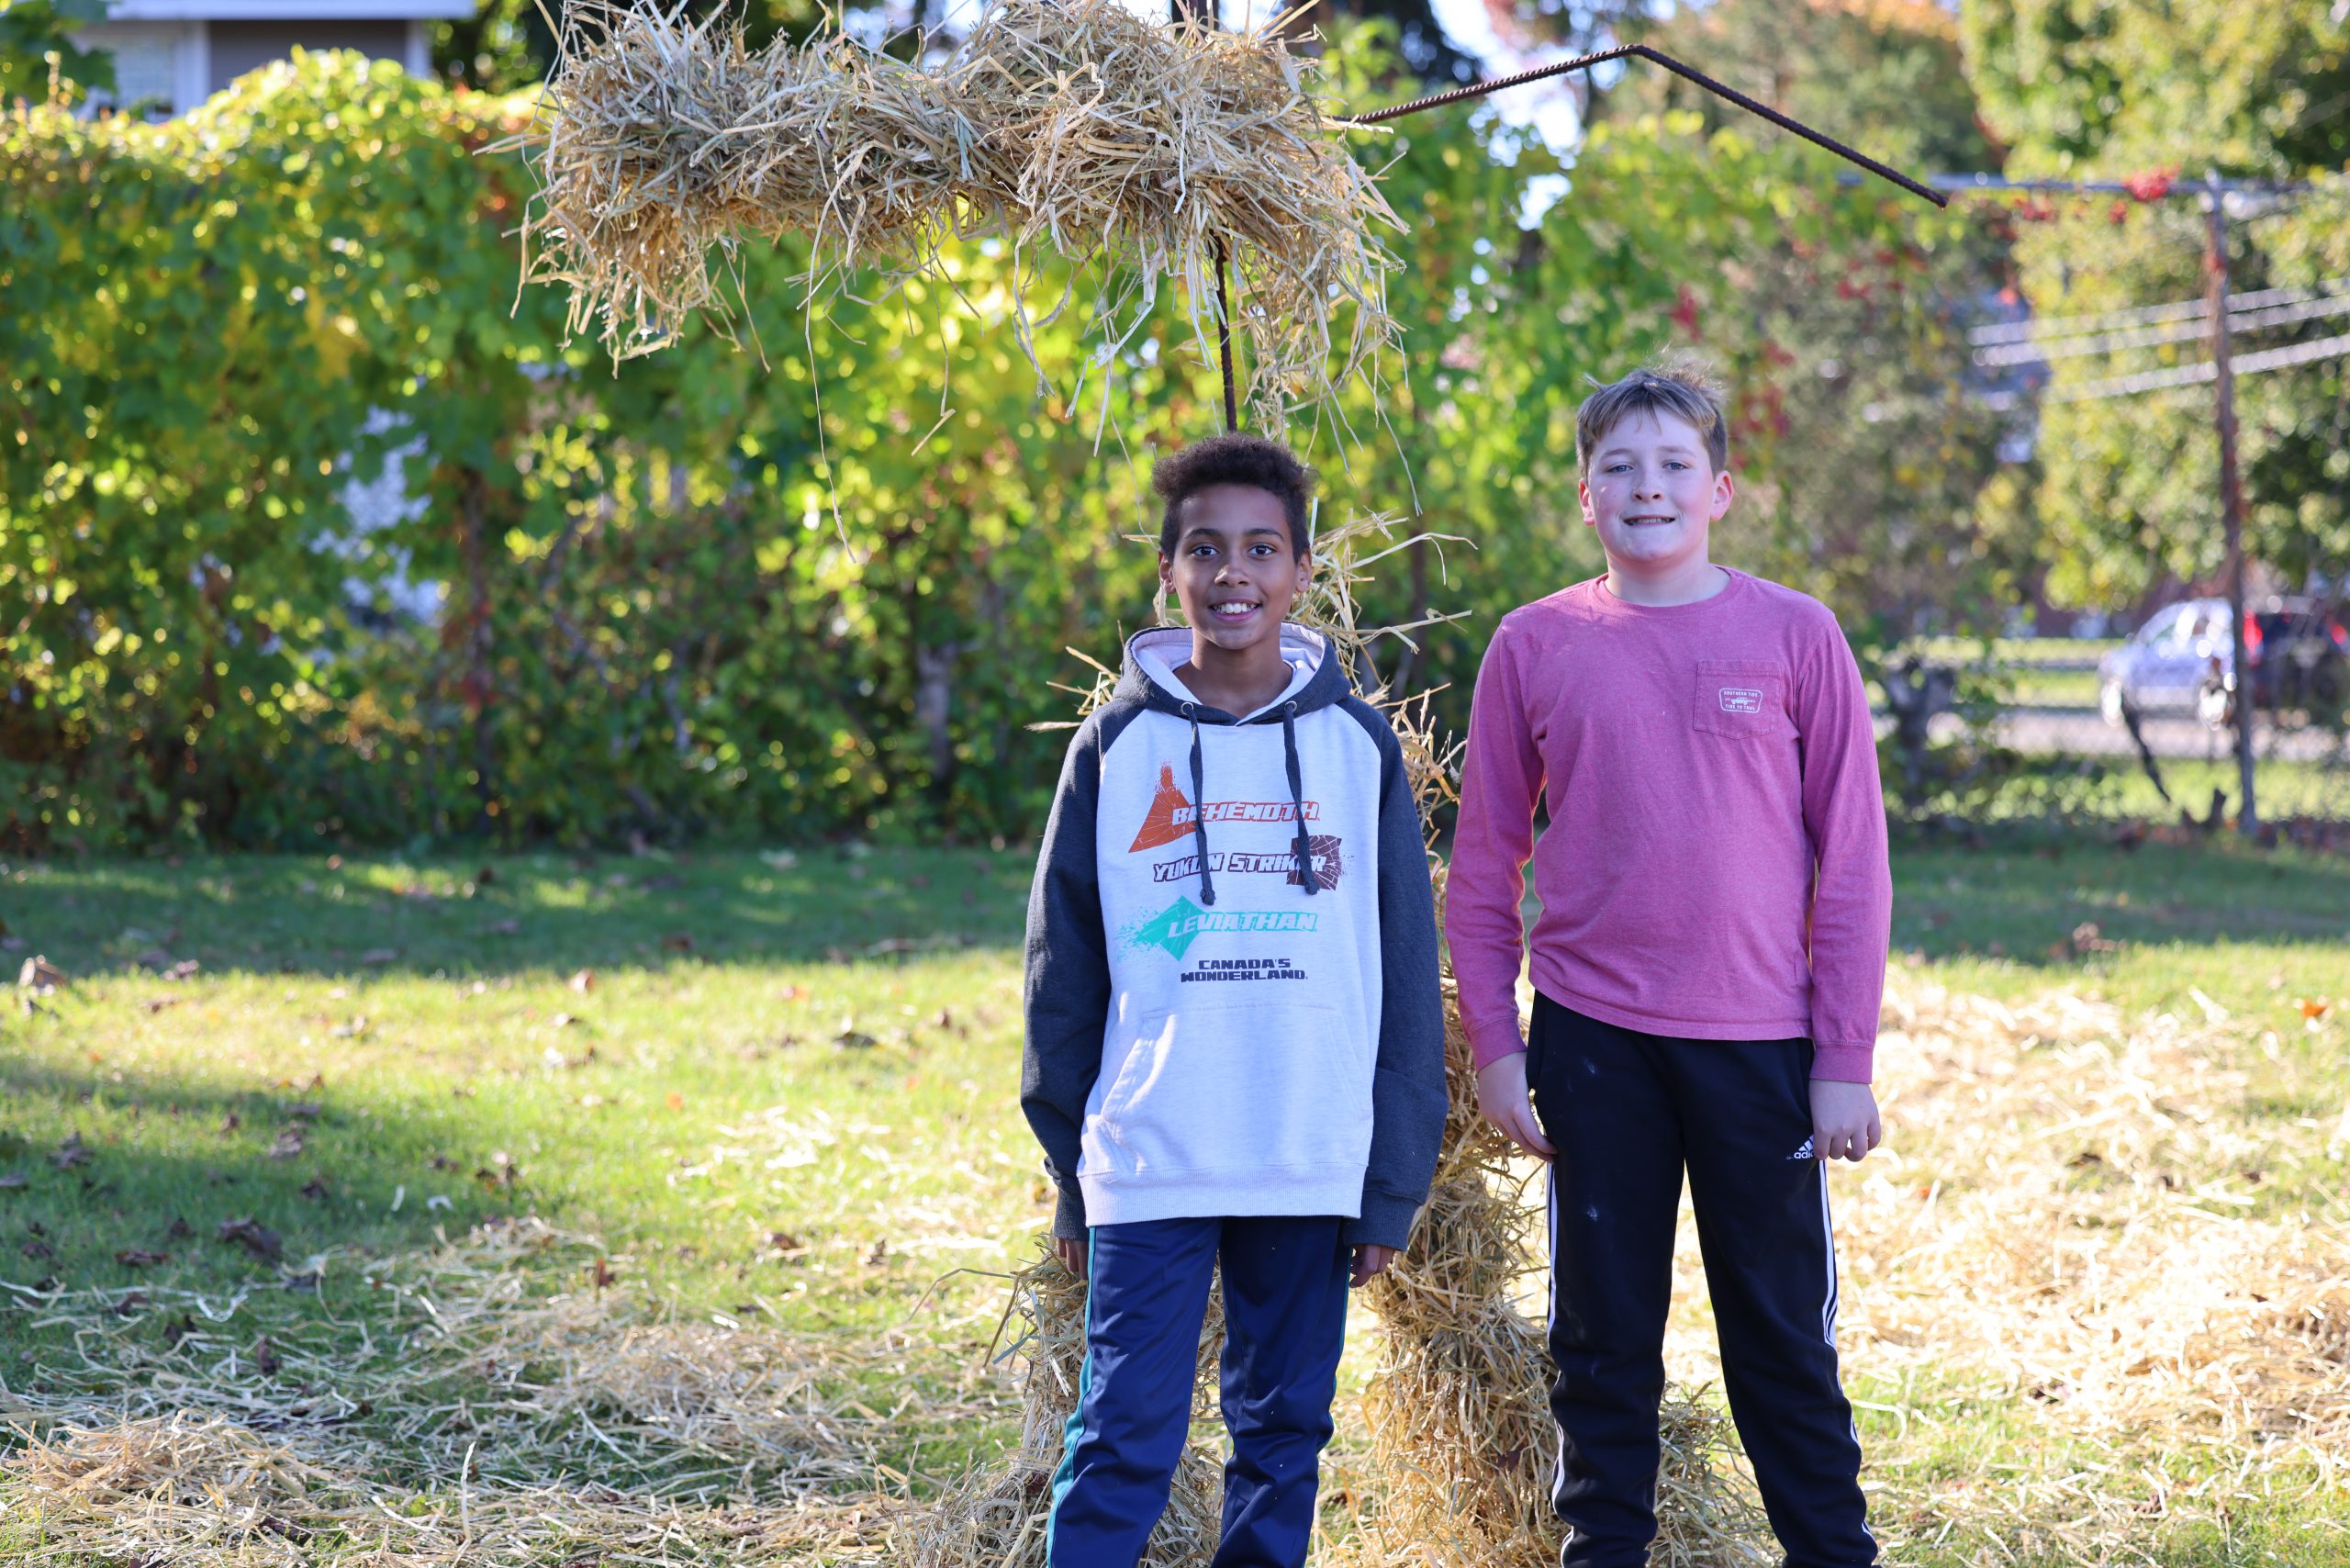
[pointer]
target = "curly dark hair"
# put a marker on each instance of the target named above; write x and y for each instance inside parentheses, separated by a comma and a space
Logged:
(1233, 459)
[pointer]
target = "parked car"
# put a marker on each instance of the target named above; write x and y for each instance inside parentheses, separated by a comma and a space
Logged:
(2182, 661)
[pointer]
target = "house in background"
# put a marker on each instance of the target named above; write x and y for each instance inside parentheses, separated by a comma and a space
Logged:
(176, 53)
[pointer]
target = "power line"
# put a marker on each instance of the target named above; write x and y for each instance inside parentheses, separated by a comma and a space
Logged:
(2183, 310)
(2309, 308)
(2202, 371)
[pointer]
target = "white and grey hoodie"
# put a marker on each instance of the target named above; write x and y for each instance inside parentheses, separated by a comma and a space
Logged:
(1232, 997)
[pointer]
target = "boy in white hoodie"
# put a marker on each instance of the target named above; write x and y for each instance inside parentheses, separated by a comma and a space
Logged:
(1235, 1035)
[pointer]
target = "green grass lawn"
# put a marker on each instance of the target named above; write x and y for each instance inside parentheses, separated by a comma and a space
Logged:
(774, 1098)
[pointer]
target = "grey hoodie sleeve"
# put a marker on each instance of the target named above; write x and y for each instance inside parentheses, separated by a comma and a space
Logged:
(1067, 1003)
(1407, 1094)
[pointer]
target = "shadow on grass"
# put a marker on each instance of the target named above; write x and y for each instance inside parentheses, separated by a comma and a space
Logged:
(2050, 901)
(278, 914)
(124, 1186)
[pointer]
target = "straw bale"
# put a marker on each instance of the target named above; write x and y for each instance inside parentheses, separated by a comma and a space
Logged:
(1142, 149)
(997, 1514)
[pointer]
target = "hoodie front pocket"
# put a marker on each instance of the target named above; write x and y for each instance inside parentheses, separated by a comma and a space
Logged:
(1268, 1085)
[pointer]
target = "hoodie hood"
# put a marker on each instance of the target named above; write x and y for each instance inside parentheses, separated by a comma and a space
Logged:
(1315, 682)
(1152, 657)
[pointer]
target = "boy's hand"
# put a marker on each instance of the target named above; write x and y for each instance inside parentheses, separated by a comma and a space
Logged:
(1501, 1100)
(1844, 1121)
(1070, 1250)
(1370, 1259)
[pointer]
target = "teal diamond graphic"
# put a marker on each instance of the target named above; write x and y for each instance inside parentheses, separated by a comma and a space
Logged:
(1172, 928)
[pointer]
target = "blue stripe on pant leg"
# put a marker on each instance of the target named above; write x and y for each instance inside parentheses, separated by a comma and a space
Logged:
(1145, 1291)
(1066, 1471)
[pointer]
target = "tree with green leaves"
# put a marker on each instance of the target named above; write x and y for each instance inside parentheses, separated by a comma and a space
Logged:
(824, 582)
(38, 51)
(2128, 492)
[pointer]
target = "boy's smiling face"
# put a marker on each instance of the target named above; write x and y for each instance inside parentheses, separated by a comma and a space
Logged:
(1651, 492)
(1233, 569)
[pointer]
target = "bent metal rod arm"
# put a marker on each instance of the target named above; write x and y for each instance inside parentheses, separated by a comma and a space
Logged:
(1641, 50)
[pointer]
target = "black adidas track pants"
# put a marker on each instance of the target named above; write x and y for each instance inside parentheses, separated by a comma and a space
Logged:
(1628, 1113)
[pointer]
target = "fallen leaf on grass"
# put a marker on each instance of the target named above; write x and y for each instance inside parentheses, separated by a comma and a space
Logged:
(253, 1235)
(140, 1258)
(379, 955)
(185, 969)
(130, 1303)
(157, 1003)
(181, 1230)
(584, 981)
(70, 1153)
(38, 1249)
(795, 994)
(305, 1110)
(562, 1021)
(230, 1122)
(40, 976)
(307, 1280)
(2313, 1008)
(264, 1356)
(604, 1272)
(677, 1101)
(501, 928)
(11, 1181)
(678, 942)
(178, 1329)
(317, 1190)
(350, 1031)
(287, 1145)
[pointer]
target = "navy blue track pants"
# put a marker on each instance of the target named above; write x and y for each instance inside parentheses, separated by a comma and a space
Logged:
(1628, 1113)
(1285, 1321)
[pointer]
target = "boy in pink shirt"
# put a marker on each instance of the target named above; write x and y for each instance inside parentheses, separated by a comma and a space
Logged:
(1707, 965)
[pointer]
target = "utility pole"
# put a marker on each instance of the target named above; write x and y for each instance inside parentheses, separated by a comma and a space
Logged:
(2213, 192)
(2215, 291)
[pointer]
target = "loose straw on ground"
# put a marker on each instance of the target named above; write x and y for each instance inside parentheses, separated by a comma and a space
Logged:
(1079, 130)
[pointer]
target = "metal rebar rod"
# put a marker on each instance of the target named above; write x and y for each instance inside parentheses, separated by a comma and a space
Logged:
(1223, 339)
(1641, 50)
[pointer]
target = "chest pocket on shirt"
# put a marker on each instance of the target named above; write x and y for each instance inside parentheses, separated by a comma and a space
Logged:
(1746, 699)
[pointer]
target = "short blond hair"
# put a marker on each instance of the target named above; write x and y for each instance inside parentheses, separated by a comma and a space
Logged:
(1681, 386)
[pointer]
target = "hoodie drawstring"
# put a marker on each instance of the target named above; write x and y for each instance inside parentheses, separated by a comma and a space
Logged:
(1199, 804)
(1296, 797)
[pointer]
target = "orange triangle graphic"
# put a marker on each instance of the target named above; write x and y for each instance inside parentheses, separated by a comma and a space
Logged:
(1161, 827)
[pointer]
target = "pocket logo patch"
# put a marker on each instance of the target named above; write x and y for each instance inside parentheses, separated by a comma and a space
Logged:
(1742, 700)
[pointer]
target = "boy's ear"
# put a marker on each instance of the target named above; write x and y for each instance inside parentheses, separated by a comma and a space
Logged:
(1583, 495)
(1725, 492)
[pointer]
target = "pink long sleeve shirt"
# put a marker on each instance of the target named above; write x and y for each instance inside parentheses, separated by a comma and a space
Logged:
(1715, 866)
